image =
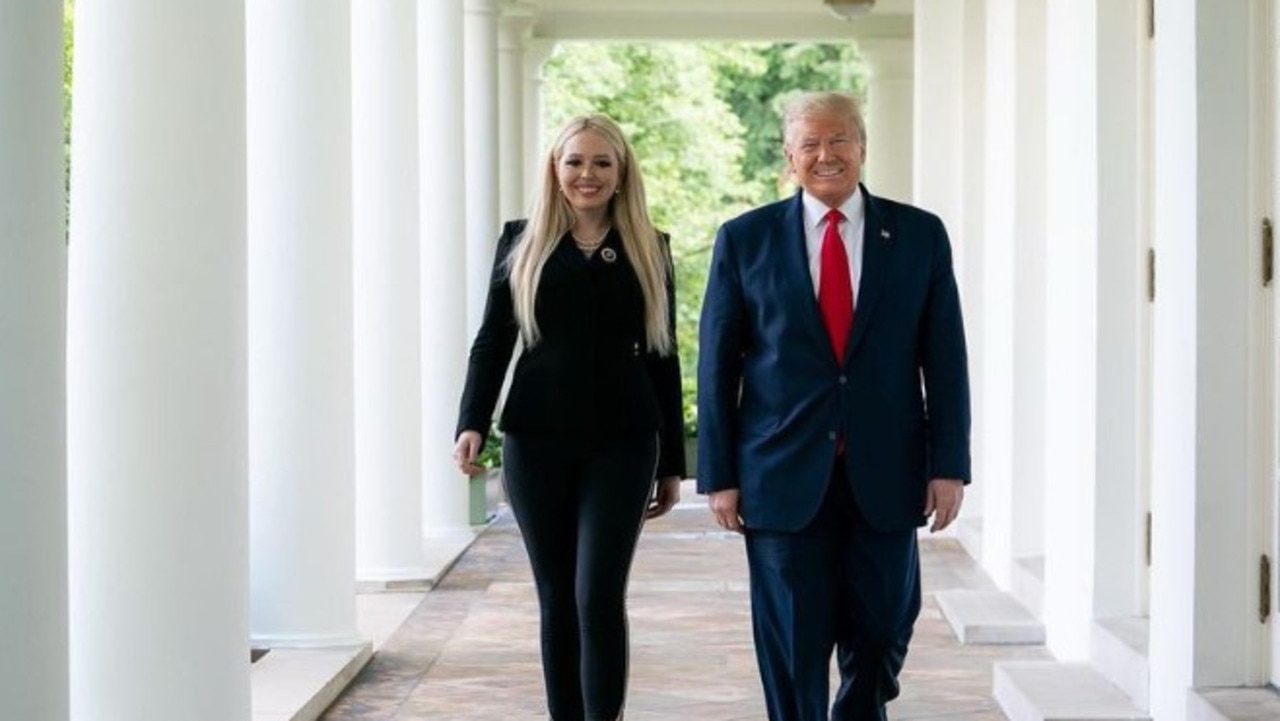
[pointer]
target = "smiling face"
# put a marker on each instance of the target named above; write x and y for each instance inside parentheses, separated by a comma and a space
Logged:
(588, 171)
(825, 153)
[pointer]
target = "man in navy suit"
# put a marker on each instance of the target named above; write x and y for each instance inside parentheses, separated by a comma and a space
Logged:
(833, 415)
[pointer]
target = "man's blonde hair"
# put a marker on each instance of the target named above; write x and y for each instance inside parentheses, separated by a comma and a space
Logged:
(823, 102)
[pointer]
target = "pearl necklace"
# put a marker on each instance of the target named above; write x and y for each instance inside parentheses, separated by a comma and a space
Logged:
(589, 247)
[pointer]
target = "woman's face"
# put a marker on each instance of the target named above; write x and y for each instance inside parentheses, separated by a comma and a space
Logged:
(588, 172)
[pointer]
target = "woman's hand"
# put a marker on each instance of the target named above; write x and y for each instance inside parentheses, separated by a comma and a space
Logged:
(665, 497)
(465, 452)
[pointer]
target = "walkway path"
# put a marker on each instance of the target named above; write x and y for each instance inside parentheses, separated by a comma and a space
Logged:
(469, 652)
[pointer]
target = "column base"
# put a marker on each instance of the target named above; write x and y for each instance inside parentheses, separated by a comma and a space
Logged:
(297, 683)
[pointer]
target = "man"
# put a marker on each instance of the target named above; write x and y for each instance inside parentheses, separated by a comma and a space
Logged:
(829, 430)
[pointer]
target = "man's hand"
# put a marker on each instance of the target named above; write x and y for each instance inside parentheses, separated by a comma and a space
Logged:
(724, 506)
(942, 501)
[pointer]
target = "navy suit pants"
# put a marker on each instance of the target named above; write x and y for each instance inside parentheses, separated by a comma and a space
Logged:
(837, 584)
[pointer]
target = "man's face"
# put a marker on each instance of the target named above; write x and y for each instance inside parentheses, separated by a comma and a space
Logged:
(825, 154)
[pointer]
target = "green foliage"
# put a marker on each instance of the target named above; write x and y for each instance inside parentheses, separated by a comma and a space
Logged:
(490, 455)
(688, 140)
(690, 409)
(705, 122)
(757, 79)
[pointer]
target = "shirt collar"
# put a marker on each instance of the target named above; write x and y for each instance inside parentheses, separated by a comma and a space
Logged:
(815, 211)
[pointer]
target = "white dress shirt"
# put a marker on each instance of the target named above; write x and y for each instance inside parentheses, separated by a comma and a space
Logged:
(815, 224)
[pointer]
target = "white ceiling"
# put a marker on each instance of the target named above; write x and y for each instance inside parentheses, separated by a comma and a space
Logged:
(708, 20)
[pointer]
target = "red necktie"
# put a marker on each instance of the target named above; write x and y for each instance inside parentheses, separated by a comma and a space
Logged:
(835, 290)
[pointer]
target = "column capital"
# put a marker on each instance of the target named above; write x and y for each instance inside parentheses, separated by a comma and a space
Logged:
(515, 24)
(536, 53)
(481, 7)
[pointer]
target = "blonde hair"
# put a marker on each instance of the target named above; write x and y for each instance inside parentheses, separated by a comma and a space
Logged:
(552, 216)
(823, 103)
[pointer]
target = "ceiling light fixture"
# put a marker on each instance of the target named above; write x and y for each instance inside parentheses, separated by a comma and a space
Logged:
(849, 9)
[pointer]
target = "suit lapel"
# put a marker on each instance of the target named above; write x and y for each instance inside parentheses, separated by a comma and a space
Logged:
(795, 264)
(877, 249)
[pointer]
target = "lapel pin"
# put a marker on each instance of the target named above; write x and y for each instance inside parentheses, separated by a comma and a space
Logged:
(608, 255)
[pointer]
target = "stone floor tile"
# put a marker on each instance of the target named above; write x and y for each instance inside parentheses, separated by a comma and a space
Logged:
(470, 650)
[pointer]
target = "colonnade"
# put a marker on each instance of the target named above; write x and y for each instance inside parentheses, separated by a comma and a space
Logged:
(282, 220)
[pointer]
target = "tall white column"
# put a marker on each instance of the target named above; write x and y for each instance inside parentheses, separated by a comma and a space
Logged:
(512, 31)
(300, 323)
(973, 274)
(1028, 200)
(535, 57)
(1205, 629)
(939, 104)
(156, 404)
(1071, 353)
(444, 287)
(480, 140)
(33, 282)
(1122, 305)
(889, 170)
(388, 382)
(998, 293)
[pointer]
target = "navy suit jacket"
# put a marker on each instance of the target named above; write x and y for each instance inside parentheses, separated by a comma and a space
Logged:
(773, 399)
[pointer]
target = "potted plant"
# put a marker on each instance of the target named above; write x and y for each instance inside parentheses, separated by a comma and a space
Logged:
(490, 458)
(690, 430)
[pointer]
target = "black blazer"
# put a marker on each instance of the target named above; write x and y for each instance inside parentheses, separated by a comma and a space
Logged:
(590, 374)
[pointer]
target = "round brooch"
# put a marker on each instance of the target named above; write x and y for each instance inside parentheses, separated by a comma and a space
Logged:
(608, 255)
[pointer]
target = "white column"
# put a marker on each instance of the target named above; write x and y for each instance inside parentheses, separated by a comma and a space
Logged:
(889, 170)
(535, 57)
(939, 104)
(33, 282)
(998, 294)
(1204, 625)
(1028, 201)
(156, 404)
(388, 382)
(512, 31)
(972, 231)
(942, 80)
(1071, 400)
(444, 290)
(480, 94)
(1122, 304)
(301, 403)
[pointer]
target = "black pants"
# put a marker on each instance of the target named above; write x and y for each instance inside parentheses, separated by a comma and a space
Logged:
(580, 507)
(836, 584)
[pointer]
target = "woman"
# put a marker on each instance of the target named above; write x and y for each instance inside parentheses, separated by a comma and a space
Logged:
(593, 414)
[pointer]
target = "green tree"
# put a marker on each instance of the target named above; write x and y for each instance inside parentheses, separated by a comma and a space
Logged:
(757, 80)
(688, 141)
(704, 119)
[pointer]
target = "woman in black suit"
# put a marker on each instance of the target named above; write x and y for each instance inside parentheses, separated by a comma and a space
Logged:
(593, 415)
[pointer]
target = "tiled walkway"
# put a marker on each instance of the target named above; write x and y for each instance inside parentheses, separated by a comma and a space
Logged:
(470, 653)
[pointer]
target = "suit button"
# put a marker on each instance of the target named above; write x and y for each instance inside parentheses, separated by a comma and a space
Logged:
(831, 436)
(844, 380)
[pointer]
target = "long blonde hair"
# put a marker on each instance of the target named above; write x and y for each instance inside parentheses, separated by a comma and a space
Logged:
(552, 216)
